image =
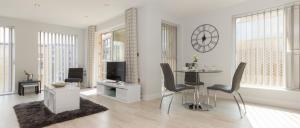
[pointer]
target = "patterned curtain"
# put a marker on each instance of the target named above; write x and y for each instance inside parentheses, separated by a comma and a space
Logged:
(131, 46)
(100, 58)
(91, 56)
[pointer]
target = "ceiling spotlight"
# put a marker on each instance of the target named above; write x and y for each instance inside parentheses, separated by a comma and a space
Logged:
(36, 3)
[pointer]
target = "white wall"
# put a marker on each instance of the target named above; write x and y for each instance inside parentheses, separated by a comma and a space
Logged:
(149, 39)
(223, 56)
(103, 27)
(111, 24)
(26, 49)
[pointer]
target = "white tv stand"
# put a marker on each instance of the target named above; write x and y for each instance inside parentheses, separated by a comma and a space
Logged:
(124, 92)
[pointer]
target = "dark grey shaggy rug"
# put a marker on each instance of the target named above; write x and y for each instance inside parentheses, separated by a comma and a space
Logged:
(36, 115)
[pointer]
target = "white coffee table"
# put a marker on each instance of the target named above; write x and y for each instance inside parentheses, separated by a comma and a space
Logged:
(62, 99)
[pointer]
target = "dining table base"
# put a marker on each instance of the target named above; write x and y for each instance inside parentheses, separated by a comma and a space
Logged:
(198, 107)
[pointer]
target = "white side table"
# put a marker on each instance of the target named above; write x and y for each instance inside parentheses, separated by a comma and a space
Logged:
(62, 99)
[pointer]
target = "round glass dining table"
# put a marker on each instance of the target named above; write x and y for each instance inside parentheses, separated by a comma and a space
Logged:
(197, 104)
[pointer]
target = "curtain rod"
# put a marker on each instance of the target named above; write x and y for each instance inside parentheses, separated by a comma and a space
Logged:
(295, 3)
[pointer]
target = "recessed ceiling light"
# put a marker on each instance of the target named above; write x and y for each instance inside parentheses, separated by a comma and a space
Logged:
(86, 16)
(36, 3)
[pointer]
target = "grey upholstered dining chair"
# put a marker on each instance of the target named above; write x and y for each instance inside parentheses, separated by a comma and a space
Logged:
(233, 89)
(169, 84)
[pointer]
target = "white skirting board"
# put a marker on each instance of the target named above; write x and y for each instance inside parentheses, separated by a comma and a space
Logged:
(153, 96)
(277, 98)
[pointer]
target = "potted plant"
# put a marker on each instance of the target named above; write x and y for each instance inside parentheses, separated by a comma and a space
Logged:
(195, 61)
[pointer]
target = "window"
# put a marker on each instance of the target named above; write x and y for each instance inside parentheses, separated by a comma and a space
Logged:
(107, 46)
(110, 47)
(169, 44)
(114, 45)
(57, 53)
(7, 43)
(264, 42)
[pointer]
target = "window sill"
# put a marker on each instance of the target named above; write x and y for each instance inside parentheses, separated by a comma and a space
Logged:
(271, 89)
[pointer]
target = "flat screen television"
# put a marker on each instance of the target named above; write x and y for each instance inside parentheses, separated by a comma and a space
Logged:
(116, 71)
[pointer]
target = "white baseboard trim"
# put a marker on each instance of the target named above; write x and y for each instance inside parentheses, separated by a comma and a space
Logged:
(153, 96)
(284, 99)
(277, 98)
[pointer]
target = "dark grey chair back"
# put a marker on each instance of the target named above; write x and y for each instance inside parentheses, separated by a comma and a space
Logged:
(75, 73)
(236, 81)
(190, 78)
(169, 81)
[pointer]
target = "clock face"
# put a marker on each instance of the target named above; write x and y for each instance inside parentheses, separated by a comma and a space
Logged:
(205, 38)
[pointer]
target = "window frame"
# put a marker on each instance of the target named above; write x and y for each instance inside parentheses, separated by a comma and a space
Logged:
(234, 32)
(57, 42)
(11, 59)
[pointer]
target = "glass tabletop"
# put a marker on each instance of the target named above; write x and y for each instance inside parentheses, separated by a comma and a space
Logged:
(200, 71)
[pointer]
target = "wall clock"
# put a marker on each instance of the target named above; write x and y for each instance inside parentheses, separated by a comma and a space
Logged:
(205, 38)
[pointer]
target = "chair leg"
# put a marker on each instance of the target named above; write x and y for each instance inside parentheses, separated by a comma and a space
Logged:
(203, 91)
(185, 97)
(207, 96)
(215, 99)
(170, 103)
(182, 98)
(242, 102)
(238, 105)
(161, 100)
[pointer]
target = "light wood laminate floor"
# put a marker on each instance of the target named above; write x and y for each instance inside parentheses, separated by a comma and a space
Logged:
(146, 114)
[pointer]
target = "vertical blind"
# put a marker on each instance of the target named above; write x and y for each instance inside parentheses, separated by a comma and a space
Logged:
(7, 43)
(262, 41)
(169, 44)
(57, 53)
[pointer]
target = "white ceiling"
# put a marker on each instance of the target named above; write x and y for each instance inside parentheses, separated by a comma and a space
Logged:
(81, 13)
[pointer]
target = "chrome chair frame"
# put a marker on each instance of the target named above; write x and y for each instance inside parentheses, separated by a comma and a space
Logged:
(233, 90)
(169, 83)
